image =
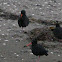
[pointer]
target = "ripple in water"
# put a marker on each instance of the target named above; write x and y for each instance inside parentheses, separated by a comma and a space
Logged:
(51, 52)
(59, 3)
(8, 5)
(8, 29)
(46, 2)
(40, 8)
(14, 24)
(5, 58)
(4, 24)
(58, 55)
(43, 5)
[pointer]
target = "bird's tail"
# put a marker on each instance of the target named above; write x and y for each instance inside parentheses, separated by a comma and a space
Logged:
(46, 54)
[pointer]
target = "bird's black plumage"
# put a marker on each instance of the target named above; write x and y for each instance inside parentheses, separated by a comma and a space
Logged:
(57, 31)
(23, 20)
(38, 49)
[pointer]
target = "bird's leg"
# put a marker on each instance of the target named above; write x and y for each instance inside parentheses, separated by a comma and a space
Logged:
(38, 59)
(22, 29)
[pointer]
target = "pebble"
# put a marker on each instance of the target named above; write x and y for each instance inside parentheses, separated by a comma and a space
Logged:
(4, 44)
(31, 53)
(5, 3)
(6, 40)
(17, 55)
(32, 14)
(22, 59)
(8, 29)
(51, 52)
(43, 5)
(3, 34)
(58, 55)
(14, 25)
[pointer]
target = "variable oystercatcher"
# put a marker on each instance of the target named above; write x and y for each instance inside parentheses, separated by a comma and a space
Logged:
(57, 31)
(37, 49)
(23, 20)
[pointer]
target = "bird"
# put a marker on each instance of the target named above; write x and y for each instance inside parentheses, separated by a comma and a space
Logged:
(23, 20)
(37, 49)
(57, 31)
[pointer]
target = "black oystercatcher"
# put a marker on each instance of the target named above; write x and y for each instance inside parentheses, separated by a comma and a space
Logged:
(37, 49)
(57, 31)
(23, 20)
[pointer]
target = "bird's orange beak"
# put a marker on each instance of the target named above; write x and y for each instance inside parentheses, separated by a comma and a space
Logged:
(21, 15)
(29, 44)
